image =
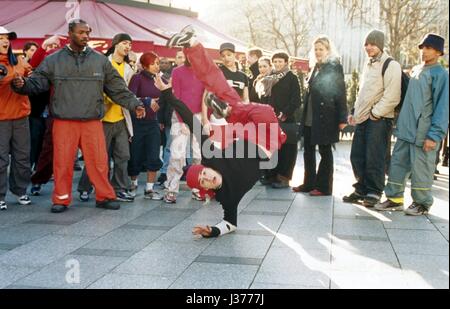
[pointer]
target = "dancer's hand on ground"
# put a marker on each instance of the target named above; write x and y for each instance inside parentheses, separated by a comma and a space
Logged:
(204, 231)
(161, 85)
(140, 112)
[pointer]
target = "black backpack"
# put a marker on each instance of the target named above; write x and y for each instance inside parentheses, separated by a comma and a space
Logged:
(405, 83)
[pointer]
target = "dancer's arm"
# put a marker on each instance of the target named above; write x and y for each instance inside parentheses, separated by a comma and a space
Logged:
(185, 113)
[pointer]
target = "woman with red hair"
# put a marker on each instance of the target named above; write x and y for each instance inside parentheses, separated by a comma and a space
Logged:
(146, 141)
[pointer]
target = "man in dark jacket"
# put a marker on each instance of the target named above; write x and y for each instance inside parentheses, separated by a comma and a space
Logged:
(254, 54)
(79, 76)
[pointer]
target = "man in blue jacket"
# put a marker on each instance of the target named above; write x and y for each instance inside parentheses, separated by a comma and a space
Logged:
(421, 127)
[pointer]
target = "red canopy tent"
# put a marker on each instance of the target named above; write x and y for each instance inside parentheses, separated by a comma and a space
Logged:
(149, 25)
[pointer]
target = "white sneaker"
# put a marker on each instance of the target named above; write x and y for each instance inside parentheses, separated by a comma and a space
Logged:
(3, 205)
(24, 200)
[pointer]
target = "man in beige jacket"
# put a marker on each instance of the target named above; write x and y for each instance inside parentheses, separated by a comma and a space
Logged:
(373, 117)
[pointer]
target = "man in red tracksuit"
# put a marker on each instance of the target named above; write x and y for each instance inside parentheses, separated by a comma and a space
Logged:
(79, 77)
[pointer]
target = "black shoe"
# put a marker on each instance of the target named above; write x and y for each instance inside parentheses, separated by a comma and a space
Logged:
(182, 39)
(162, 179)
(370, 201)
(220, 109)
(56, 209)
(353, 198)
(108, 204)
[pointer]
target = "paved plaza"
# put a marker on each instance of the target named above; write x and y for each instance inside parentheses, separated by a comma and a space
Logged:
(284, 241)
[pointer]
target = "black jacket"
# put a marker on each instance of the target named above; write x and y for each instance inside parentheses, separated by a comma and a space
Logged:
(329, 103)
(79, 81)
(285, 96)
(254, 69)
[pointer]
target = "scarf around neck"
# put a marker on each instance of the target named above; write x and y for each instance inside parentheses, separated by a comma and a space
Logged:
(265, 85)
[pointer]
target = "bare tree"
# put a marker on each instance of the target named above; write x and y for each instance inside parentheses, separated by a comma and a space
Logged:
(405, 21)
(277, 24)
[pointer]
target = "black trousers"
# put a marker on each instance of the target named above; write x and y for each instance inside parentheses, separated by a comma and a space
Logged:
(321, 179)
(287, 159)
(37, 131)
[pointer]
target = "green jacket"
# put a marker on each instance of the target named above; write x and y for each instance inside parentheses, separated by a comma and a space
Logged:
(424, 114)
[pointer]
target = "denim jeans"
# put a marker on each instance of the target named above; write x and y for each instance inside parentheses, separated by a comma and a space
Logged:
(368, 156)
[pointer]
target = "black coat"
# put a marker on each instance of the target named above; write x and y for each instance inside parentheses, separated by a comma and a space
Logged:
(254, 69)
(286, 97)
(329, 103)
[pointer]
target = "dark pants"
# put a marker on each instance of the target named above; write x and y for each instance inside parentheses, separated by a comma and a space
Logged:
(14, 140)
(37, 131)
(368, 156)
(44, 167)
(145, 148)
(322, 179)
(287, 159)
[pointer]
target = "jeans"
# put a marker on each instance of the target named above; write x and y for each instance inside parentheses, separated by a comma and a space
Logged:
(368, 156)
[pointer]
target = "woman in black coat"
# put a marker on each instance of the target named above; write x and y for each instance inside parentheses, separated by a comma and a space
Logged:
(324, 115)
(282, 92)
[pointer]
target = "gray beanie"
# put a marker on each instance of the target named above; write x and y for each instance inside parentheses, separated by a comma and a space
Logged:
(376, 37)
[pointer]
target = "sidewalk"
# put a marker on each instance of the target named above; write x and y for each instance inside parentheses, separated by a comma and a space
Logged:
(284, 240)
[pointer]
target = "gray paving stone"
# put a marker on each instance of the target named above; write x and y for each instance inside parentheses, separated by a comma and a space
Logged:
(216, 276)
(262, 213)
(24, 233)
(306, 202)
(163, 217)
(416, 237)
(50, 222)
(162, 259)
(125, 239)
(55, 275)
(11, 217)
(133, 210)
(124, 281)
(433, 267)
(269, 206)
(250, 222)
(421, 248)
(317, 237)
(95, 226)
(416, 280)
(295, 266)
(240, 246)
(101, 252)
(393, 279)
(146, 227)
(277, 195)
(43, 251)
(9, 274)
(9, 247)
(228, 260)
(444, 229)
(400, 221)
(359, 228)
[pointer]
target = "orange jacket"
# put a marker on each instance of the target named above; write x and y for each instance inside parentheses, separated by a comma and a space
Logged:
(12, 105)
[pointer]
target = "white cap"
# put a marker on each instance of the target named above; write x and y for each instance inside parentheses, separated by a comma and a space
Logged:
(11, 35)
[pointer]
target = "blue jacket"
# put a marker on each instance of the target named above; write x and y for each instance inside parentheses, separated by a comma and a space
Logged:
(424, 114)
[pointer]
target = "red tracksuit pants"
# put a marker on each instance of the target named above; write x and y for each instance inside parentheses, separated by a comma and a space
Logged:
(68, 136)
(271, 137)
